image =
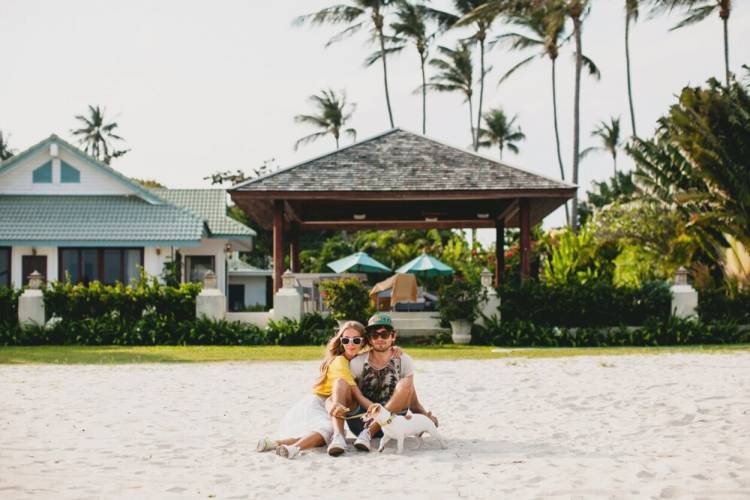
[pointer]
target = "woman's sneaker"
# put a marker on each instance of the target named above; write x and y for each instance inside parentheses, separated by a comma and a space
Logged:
(287, 451)
(266, 444)
(337, 446)
(363, 441)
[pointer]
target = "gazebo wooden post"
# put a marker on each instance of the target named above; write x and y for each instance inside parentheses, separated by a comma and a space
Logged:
(294, 246)
(524, 215)
(499, 251)
(278, 244)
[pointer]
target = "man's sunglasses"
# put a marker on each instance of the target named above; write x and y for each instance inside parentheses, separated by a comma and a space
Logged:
(383, 333)
(353, 340)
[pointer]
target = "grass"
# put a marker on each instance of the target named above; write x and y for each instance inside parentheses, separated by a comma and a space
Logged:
(203, 354)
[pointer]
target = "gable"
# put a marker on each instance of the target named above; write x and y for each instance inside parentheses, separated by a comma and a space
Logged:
(54, 167)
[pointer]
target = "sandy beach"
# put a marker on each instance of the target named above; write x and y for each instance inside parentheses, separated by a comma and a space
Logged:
(662, 426)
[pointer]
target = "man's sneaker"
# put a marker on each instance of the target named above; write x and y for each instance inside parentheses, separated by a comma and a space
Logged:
(337, 446)
(287, 451)
(363, 441)
(266, 444)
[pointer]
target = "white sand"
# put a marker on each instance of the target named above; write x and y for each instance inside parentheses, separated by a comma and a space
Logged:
(666, 426)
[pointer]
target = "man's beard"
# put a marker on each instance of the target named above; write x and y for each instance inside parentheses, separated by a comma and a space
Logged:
(381, 349)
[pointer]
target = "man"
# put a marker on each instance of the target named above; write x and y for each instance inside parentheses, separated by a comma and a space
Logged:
(382, 378)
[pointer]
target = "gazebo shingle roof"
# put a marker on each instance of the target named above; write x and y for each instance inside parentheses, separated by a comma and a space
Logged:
(398, 160)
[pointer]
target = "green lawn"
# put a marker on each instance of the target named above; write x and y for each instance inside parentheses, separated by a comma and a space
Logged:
(193, 354)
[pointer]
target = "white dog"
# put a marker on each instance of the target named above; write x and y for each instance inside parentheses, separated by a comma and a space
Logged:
(398, 427)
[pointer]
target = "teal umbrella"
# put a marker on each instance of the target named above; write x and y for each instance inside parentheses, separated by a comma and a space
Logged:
(358, 262)
(427, 266)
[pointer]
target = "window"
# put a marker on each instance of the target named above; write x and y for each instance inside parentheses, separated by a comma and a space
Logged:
(69, 174)
(5, 266)
(43, 174)
(107, 265)
(31, 263)
(236, 297)
(198, 265)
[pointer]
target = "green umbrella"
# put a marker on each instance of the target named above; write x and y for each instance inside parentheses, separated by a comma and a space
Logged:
(358, 262)
(427, 266)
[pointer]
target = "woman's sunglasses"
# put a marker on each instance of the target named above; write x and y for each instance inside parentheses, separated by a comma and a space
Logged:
(353, 340)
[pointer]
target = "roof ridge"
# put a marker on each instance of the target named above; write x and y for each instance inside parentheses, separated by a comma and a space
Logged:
(314, 158)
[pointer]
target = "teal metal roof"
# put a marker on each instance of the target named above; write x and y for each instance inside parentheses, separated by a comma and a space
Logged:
(95, 220)
(211, 206)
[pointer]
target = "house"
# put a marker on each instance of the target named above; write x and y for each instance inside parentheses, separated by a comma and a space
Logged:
(63, 212)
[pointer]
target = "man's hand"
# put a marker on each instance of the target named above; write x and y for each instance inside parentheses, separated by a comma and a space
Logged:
(338, 410)
(396, 351)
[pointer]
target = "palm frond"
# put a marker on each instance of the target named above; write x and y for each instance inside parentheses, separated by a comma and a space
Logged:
(337, 14)
(695, 15)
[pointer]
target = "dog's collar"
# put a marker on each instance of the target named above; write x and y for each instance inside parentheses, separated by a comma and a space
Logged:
(388, 421)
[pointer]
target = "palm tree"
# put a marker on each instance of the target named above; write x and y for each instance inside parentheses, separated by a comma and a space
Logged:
(411, 24)
(476, 13)
(353, 14)
(609, 135)
(96, 135)
(5, 150)
(544, 28)
(631, 14)
(500, 132)
(455, 74)
(330, 118)
(698, 10)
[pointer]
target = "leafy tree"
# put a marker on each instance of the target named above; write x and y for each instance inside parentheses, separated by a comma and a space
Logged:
(500, 131)
(354, 15)
(331, 117)
(5, 150)
(239, 176)
(698, 10)
(619, 188)
(455, 74)
(96, 136)
(148, 183)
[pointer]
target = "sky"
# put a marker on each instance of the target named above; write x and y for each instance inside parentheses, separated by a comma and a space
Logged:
(198, 87)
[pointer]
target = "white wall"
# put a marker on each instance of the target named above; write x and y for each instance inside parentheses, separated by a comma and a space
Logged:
(16, 263)
(208, 247)
(255, 288)
(154, 259)
(93, 180)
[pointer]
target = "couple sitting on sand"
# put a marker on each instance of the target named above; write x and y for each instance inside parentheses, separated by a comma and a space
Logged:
(362, 367)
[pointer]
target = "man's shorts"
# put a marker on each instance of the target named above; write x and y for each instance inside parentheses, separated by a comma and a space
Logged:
(356, 425)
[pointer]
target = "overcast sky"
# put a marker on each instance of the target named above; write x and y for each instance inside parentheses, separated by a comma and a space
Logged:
(198, 87)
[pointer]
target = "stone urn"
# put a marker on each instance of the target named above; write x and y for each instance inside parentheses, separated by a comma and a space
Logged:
(461, 331)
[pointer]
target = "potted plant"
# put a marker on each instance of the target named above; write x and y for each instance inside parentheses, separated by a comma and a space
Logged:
(347, 299)
(459, 305)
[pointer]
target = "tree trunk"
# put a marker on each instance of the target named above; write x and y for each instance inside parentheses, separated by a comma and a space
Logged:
(576, 120)
(557, 131)
(614, 163)
(726, 47)
(385, 70)
(501, 152)
(424, 96)
(481, 93)
(627, 69)
(471, 121)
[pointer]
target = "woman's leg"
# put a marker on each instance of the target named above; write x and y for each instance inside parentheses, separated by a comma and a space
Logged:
(342, 394)
(287, 440)
(312, 440)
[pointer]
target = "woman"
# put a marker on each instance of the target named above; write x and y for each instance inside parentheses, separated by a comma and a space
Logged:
(308, 420)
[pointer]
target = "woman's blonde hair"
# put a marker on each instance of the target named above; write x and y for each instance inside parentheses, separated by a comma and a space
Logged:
(334, 347)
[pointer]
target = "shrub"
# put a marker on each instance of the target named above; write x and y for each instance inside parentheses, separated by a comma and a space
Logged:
(715, 304)
(347, 298)
(596, 303)
(312, 329)
(9, 306)
(459, 300)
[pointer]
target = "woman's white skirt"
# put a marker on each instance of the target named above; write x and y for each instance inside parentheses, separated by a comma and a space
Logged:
(307, 415)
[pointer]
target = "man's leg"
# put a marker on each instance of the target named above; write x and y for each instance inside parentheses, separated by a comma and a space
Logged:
(416, 407)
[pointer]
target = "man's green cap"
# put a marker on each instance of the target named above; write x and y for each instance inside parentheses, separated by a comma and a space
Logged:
(379, 319)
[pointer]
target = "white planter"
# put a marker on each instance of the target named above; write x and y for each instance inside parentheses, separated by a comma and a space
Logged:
(461, 331)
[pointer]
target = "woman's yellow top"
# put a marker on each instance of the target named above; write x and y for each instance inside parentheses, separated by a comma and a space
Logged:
(339, 368)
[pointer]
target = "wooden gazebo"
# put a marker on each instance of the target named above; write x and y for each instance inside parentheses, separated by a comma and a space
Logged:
(398, 180)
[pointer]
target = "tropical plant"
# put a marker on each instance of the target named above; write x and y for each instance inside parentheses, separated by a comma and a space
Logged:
(609, 135)
(735, 263)
(411, 25)
(698, 10)
(331, 117)
(459, 300)
(347, 298)
(470, 13)
(501, 132)
(355, 14)
(455, 74)
(631, 15)
(5, 150)
(96, 136)
(571, 257)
